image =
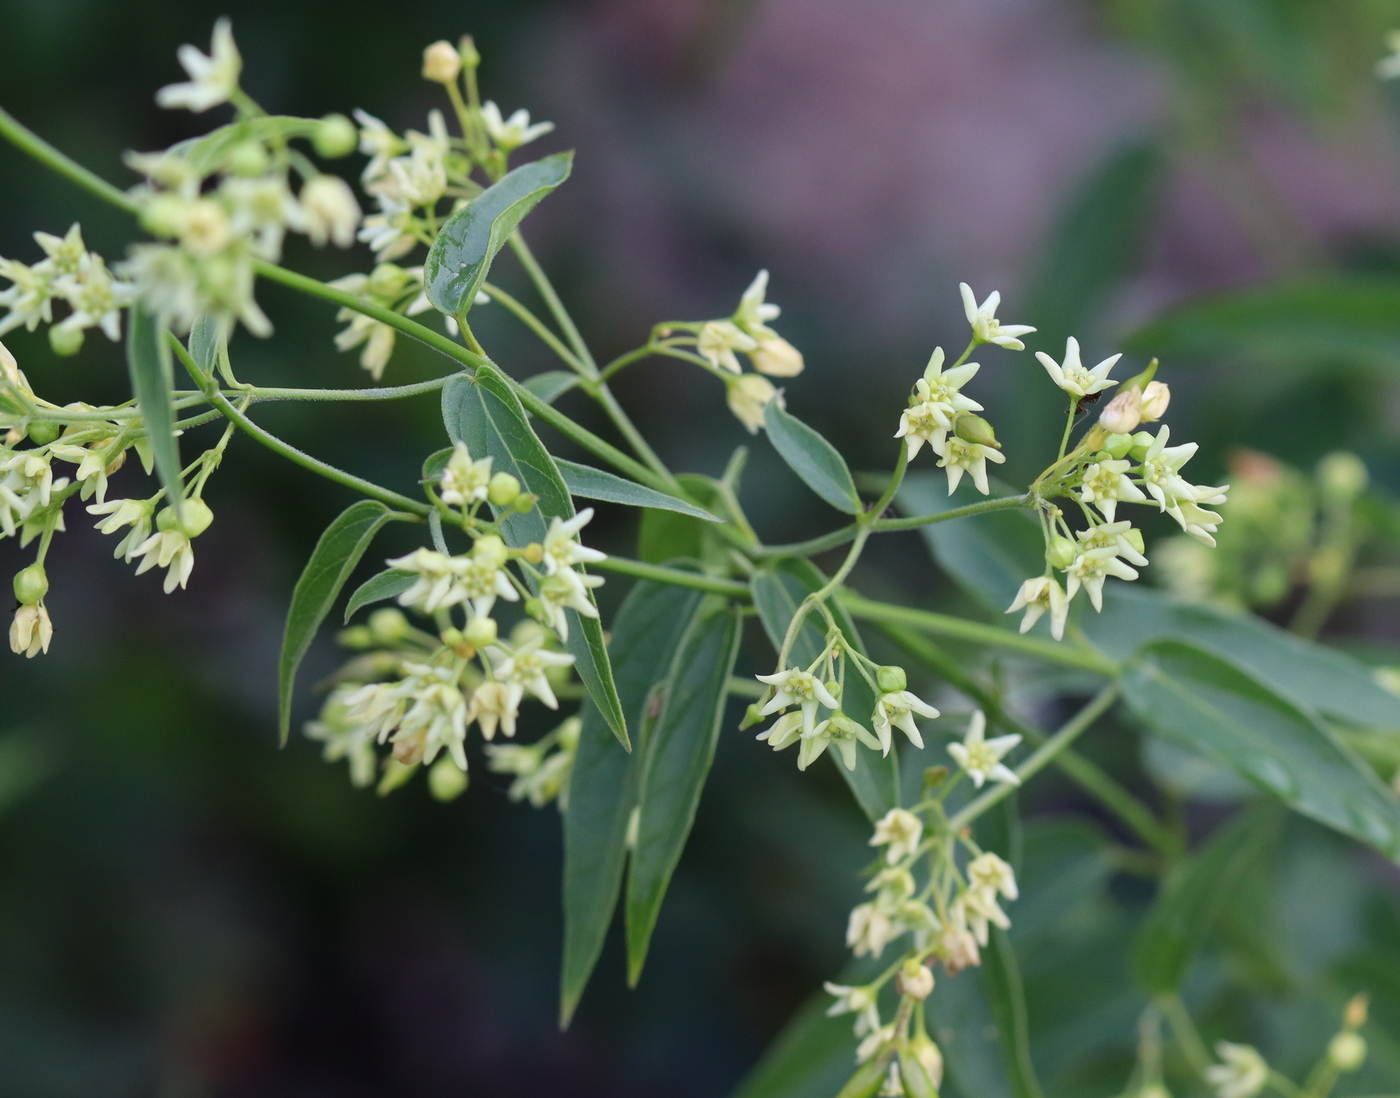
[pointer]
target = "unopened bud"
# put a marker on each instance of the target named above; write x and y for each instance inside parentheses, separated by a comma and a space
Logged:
(163, 214)
(1134, 538)
(502, 489)
(534, 552)
(1123, 414)
(535, 609)
(1060, 553)
(466, 49)
(914, 980)
(1117, 446)
(451, 637)
(752, 716)
(409, 751)
(65, 341)
(928, 1057)
(357, 636)
(891, 680)
(1155, 398)
(43, 432)
(480, 631)
(445, 781)
(1347, 1051)
(833, 688)
(490, 549)
(247, 159)
(776, 357)
(971, 428)
(1342, 476)
(1354, 1017)
(395, 774)
(387, 280)
(1142, 442)
(192, 519)
(441, 63)
(31, 584)
(525, 502)
(336, 136)
(388, 626)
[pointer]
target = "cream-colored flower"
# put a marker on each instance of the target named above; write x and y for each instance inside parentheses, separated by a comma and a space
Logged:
(135, 513)
(1036, 596)
(717, 342)
(782, 733)
(896, 709)
(213, 79)
(1090, 568)
(798, 688)
(1242, 1072)
(754, 312)
(776, 357)
(870, 930)
(981, 757)
(567, 590)
(562, 549)
(862, 1001)
(958, 456)
(899, 830)
(330, 210)
(1073, 377)
(1105, 484)
(989, 871)
(31, 630)
(171, 550)
(495, 705)
(986, 328)
(748, 396)
(527, 667)
(465, 480)
(510, 133)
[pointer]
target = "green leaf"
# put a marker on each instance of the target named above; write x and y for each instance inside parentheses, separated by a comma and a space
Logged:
(1192, 898)
(777, 592)
(204, 343)
(990, 555)
(668, 535)
(605, 779)
(148, 359)
(332, 561)
(469, 240)
(1353, 318)
(551, 385)
(435, 464)
(811, 1058)
(483, 412)
(1309, 675)
(1001, 981)
(675, 763)
(812, 458)
(388, 584)
(591, 483)
(1199, 700)
(962, 1023)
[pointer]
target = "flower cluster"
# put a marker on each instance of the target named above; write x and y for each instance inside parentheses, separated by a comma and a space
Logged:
(421, 692)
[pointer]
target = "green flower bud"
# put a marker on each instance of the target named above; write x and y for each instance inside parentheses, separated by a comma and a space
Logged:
(194, 518)
(65, 341)
(751, 717)
(395, 774)
(535, 609)
(891, 680)
(1117, 446)
(480, 632)
(445, 781)
(247, 158)
(1060, 553)
(971, 428)
(357, 636)
(502, 489)
(1342, 476)
(388, 626)
(44, 431)
(451, 637)
(31, 584)
(162, 215)
(833, 688)
(336, 136)
(1142, 442)
(1134, 538)
(491, 549)
(525, 502)
(467, 50)
(1347, 1051)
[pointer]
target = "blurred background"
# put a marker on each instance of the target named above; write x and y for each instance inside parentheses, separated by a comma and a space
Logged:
(185, 911)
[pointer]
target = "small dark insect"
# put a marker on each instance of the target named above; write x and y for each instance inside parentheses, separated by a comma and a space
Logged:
(1092, 398)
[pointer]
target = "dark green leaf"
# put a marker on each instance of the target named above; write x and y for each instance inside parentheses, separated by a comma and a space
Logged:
(332, 561)
(435, 464)
(812, 458)
(677, 757)
(777, 592)
(1309, 675)
(962, 1023)
(591, 483)
(204, 343)
(1198, 699)
(148, 359)
(388, 584)
(667, 535)
(469, 240)
(483, 412)
(1001, 981)
(989, 556)
(551, 385)
(605, 779)
(1192, 898)
(811, 1058)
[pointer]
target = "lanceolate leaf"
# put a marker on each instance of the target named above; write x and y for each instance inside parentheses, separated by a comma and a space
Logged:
(590, 483)
(678, 754)
(387, 584)
(962, 1022)
(483, 412)
(1192, 898)
(812, 458)
(605, 779)
(332, 561)
(469, 240)
(148, 359)
(1203, 702)
(552, 384)
(777, 592)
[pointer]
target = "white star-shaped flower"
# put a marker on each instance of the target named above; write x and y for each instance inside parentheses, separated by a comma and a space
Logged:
(990, 872)
(896, 709)
(900, 830)
(526, 667)
(562, 548)
(981, 757)
(799, 688)
(1036, 596)
(1090, 568)
(717, 342)
(754, 312)
(1106, 484)
(1072, 377)
(959, 456)
(213, 79)
(986, 328)
(510, 133)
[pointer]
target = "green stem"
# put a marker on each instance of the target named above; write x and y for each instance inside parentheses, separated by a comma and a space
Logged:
(1177, 1016)
(261, 393)
(1042, 755)
(556, 307)
(30, 142)
(896, 479)
(674, 576)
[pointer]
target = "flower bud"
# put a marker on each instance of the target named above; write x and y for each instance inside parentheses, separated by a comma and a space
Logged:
(480, 631)
(776, 357)
(451, 637)
(1347, 1051)
(331, 211)
(971, 428)
(491, 549)
(1134, 538)
(335, 136)
(162, 214)
(833, 688)
(1060, 553)
(1142, 442)
(928, 1058)
(1117, 446)
(534, 552)
(65, 341)
(502, 489)
(752, 716)
(914, 980)
(441, 63)
(1342, 476)
(525, 502)
(891, 680)
(445, 781)
(1155, 398)
(43, 432)
(1123, 414)
(247, 159)
(193, 519)
(387, 280)
(357, 636)
(535, 609)
(1354, 1017)
(388, 626)
(466, 49)
(31, 584)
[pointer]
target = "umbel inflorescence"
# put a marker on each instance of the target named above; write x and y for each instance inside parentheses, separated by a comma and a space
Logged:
(495, 610)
